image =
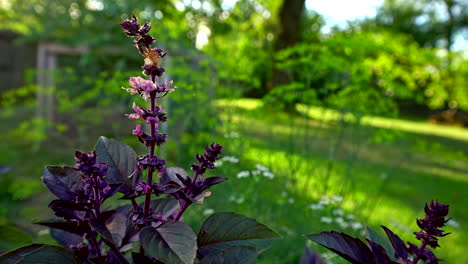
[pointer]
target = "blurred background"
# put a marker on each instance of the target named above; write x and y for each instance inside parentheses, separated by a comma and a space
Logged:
(333, 114)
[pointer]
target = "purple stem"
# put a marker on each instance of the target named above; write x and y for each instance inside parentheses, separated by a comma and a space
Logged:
(181, 211)
(416, 259)
(97, 201)
(94, 243)
(149, 179)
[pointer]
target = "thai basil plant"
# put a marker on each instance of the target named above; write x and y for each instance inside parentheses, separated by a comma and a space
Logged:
(150, 227)
(379, 250)
(150, 231)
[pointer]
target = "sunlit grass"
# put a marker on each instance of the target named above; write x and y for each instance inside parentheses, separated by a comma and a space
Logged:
(387, 182)
(321, 113)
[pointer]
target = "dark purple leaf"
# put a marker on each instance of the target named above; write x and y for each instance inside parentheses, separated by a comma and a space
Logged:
(65, 238)
(233, 255)
(69, 209)
(116, 223)
(165, 206)
(380, 255)
(13, 256)
(62, 181)
(310, 257)
(223, 230)
(350, 248)
(101, 228)
(171, 243)
(112, 258)
(208, 182)
(397, 243)
(39, 254)
(170, 176)
(382, 241)
(121, 160)
(114, 188)
(140, 259)
(73, 227)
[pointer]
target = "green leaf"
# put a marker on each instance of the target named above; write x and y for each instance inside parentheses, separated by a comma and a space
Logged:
(12, 234)
(171, 243)
(233, 255)
(39, 254)
(224, 230)
(122, 161)
(62, 181)
(385, 243)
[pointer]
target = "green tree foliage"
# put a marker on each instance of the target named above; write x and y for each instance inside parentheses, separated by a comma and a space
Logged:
(375, 69)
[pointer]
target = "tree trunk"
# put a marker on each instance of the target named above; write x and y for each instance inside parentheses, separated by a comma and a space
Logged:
(288, 34)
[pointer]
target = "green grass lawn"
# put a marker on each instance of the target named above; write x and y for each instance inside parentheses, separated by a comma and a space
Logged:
(384, 170)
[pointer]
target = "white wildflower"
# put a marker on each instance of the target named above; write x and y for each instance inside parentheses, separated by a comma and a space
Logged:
(326, 219)
(269, 175)
(317, 206)
(338, 212)
(232, 134)
(340, 220)
(43, 232)
(356, 225)
(208, 211)
(350, 217)
(231, 159)
(260, 167)
(240, 200)
(344, 225)
(243, 174)
(256, 172)
(337, 198)
(324, 200)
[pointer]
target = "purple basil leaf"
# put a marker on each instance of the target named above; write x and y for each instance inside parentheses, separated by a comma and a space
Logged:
(13, 256)
(39, 253)
(114, 188)
(382, 241)
(113, 259)
(65, 238)
(208, 182)
(350, 248)
(233, 255)
(140, 259)
(224, 230)
(397, 243)
(69, 209)
(73, 227)
(170, 176)
(165, 206)
(102, 229)
(115, 223)
(62, 181)
(171, 243)
(121, 160)
(131, 235)
(310, 257)
(380, 255)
